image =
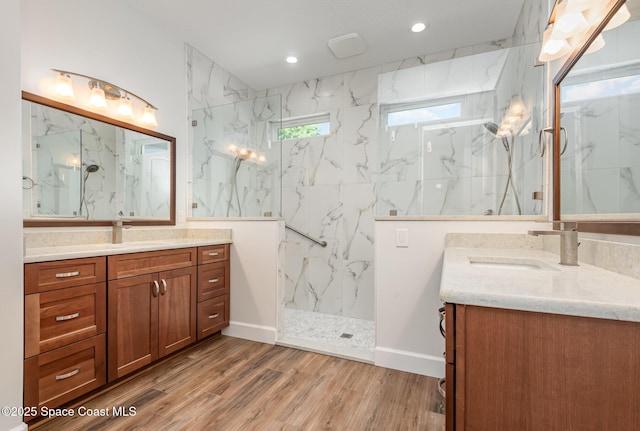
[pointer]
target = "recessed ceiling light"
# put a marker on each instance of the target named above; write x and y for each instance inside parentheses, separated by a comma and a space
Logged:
(418, 27)
(291, 59)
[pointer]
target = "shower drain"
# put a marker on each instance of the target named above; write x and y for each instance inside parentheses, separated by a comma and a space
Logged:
(345, 335)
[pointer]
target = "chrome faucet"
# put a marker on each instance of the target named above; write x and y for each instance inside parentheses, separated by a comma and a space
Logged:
(568, 242)
(116, 231)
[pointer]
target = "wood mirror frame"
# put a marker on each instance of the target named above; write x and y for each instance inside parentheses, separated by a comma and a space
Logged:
(621, 227)
(44, 222)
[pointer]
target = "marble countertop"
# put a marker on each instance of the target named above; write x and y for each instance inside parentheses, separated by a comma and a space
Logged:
(42, 254)
(583, 290)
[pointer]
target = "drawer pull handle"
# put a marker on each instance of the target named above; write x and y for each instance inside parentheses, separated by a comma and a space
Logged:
(213, 253)
(67, 274)
(164, 286)
(69, 374)
(213, 316)
(214, 280)
(67, 317)
(156, 288)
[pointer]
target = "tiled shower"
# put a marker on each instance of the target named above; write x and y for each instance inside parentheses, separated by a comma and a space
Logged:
(332, 187)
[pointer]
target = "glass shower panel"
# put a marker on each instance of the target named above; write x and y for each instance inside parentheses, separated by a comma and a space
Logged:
(236, 159)
(59, 174)
(460, 137)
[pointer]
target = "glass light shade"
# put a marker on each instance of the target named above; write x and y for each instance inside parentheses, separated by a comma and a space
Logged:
(580, 5)
(619, 18)
(597, 44)
(149, 116)
(64, 87)
(125, 107)
(96, 98)
(552, 48)
(568, 24)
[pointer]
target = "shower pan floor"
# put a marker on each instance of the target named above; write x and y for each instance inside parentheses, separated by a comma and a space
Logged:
(340, 336)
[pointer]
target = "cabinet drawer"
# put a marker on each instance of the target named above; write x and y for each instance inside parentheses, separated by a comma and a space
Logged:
(54, 319)
(44, 276)
(213, 315)
(59, 376)
(129, 265)
(213, 253)
(213, 280)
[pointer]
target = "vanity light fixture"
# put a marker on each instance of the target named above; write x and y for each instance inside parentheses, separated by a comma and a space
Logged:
(597, 44)
(569, 23)
(102, 91)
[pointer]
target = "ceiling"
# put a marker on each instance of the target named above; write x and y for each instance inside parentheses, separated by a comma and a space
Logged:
(251, 38)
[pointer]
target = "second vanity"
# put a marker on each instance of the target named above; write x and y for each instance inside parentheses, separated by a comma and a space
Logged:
(95, 313)
(534, 345)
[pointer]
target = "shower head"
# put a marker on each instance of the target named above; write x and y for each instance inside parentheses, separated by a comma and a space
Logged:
(91, 169)
(491, 128)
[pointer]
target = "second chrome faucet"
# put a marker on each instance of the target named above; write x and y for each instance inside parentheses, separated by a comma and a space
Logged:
(568, 242)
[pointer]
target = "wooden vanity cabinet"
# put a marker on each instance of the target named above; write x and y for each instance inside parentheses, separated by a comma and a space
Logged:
(153, 314)
(518, 370)
(64, 325)
(213, 289)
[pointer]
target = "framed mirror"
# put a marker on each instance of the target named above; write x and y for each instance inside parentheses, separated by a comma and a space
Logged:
(596, 132)
(84, 169)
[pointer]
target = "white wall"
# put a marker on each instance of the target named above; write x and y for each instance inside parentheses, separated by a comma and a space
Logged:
(11, 291)
(407, 289)
(113, 42)
(254, 277)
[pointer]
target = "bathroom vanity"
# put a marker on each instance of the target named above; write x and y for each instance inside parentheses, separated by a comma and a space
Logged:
(534, 345)
(95, 313)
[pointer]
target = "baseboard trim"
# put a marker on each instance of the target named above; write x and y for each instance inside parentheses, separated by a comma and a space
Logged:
(21, 427)
(249, 331)
(411, 362)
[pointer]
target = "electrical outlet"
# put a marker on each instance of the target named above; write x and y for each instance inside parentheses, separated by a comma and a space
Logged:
(402, 237)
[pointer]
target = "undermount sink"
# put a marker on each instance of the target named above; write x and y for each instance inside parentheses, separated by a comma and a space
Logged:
(491, 262)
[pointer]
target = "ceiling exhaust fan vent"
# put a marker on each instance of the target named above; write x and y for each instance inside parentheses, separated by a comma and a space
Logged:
(346, 46)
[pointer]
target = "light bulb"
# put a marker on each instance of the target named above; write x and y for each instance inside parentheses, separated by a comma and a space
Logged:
(418, 27)
(64, 87)
(125, 107)
(97, 98)
(552, 48)
(619, 18)
(568, 24)
(149, 116)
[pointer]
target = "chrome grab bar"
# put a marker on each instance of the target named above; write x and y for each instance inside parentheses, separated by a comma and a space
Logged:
(317, 241)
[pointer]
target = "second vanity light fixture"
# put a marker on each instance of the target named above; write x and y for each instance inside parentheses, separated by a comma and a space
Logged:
(100, 92)
(570, 22)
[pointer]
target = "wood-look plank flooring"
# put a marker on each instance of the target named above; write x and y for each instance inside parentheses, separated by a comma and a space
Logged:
(233, 384)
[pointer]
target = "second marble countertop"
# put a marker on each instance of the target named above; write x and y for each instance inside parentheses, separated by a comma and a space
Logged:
(583, 290)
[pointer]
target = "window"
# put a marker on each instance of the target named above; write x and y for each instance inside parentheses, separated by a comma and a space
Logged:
(612, 87)
(296, 128)
(425, 114)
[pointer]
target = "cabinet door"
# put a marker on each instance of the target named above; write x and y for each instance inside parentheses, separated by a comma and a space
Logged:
(133, 324)
(177, 314)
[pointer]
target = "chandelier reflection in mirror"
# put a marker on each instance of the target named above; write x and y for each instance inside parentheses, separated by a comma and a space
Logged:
(100, 92)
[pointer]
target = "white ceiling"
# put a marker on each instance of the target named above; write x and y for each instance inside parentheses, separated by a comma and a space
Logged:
(251, 38)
